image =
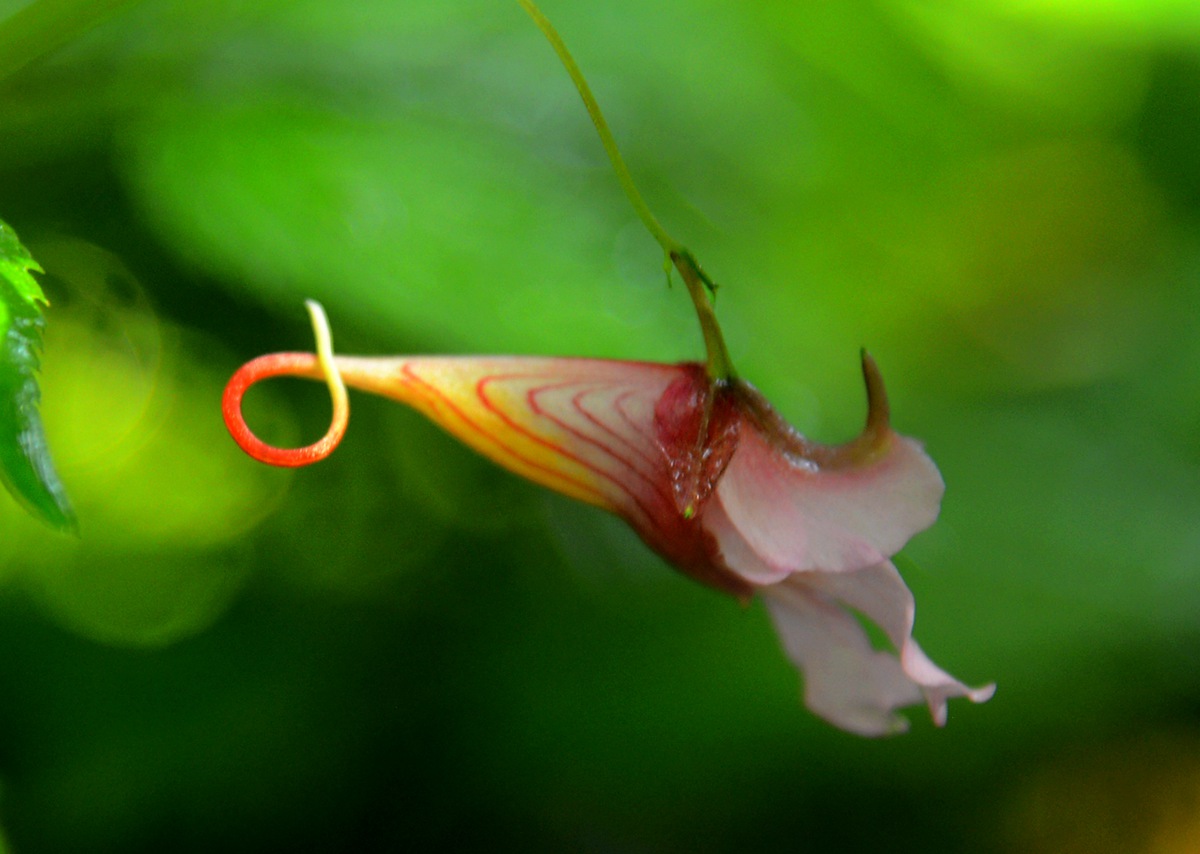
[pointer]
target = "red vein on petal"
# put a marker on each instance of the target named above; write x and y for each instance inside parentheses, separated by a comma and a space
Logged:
(481, 393)
(532, 397)
(647, 479)
(579, 489)
(632, 446)
(540, 440)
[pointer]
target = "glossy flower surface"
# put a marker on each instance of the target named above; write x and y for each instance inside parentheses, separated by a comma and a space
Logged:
(713, 479)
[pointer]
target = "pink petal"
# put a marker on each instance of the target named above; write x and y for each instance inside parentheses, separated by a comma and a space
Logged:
(796, 515)
(846, 680)
(736, 553)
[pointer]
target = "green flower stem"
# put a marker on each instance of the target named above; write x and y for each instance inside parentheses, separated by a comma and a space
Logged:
(699, 285)
(45, 25)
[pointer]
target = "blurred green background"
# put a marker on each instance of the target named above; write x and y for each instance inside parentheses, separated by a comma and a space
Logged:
(406, 649)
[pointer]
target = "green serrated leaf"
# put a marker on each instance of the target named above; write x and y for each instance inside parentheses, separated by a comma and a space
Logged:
(15, 264)
(25, 464)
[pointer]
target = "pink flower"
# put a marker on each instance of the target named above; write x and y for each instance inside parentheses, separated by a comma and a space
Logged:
(711, 478)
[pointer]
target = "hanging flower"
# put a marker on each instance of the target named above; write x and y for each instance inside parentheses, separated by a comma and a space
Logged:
(701, 466)
(711, 478)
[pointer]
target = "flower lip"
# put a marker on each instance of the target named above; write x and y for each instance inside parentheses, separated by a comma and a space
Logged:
(786, 504)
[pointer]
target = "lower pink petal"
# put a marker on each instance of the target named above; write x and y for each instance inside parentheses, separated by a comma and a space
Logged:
(847, 681)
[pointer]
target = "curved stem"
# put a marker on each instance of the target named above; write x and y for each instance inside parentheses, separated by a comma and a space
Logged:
(333, 377)
(699, 285)
(290, 364)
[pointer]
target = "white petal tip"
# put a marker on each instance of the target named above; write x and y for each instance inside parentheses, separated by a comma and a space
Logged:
(982, 695)
(938, 704)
